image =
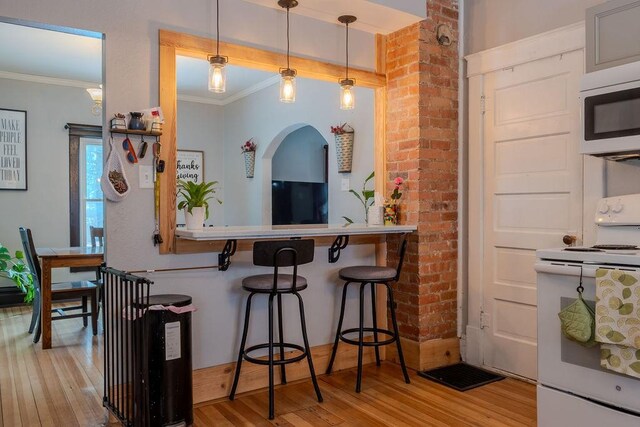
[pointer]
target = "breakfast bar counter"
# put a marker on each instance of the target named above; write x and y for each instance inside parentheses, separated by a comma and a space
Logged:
(289, 231)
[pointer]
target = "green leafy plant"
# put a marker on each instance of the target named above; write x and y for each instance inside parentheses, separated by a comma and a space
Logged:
(14, 268)
(366, 197)
(197, 195)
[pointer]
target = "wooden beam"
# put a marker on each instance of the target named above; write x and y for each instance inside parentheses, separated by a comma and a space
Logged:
(245, 56)
(380, 167)
(168, 103)
(173, 44)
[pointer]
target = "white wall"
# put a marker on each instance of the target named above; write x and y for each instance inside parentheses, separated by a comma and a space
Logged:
(264, 118)
(131, 83)
(44, 207)
(491, 23)
(200, 127)
(300, 157)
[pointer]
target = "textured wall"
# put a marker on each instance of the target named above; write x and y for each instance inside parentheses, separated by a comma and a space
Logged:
(422, 147)
(491, 23)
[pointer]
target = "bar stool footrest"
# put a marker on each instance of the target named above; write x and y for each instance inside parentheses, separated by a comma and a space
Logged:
(276, 346)
(368, 343)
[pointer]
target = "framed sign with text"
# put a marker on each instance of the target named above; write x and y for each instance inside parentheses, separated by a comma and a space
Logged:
(13, 149)
(190, 166)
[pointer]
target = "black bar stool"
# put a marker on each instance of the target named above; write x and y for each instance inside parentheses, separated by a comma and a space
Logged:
(370, 275)
(283, 253)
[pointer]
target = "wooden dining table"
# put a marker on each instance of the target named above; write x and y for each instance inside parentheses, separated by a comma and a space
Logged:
(50, 258)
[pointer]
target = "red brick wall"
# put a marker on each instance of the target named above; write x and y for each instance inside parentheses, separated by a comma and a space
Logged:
(422, 147)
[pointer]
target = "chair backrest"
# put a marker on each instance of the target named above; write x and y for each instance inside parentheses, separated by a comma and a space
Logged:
(283, 253)
(97, 235)
(30, 255)
(401, 251)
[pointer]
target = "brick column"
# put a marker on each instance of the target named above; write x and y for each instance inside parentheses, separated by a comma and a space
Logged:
(422, 147)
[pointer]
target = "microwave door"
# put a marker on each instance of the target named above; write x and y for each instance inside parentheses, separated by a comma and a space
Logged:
(611, 120)
(612, 115)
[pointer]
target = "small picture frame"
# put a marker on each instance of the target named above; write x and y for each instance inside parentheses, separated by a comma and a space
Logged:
(190, 166)
(13, 149)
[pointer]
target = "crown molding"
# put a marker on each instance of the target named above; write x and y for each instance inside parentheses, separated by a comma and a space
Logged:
(47, 80)
(233, 98)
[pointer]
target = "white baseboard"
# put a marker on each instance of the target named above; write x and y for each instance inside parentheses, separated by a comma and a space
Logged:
(472, 354)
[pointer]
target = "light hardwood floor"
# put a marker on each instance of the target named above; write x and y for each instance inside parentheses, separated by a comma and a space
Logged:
(63, 387)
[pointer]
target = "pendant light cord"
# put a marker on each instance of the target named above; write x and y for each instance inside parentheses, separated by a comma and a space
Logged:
(347, 49)
(217, 27)
(288, 67)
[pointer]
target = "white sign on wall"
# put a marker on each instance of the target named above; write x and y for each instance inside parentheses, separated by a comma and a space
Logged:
(190, 166)
(13, 149)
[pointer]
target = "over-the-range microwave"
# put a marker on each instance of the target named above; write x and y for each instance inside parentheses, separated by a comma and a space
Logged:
(611, 112)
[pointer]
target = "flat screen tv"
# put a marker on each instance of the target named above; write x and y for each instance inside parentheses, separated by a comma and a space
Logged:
(299, 202)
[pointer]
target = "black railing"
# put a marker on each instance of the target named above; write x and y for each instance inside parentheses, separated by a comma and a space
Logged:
(125, 388)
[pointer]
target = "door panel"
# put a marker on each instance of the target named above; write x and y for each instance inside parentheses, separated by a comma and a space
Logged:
(533, 196)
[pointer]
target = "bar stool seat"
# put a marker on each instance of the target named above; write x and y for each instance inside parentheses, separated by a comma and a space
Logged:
(371, 276)
(367, 273)
(263, 283)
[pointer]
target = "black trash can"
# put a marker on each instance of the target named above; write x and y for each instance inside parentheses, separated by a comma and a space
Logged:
(166, 364)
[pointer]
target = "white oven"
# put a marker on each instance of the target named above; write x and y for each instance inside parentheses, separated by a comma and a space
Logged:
(572, 387)
(567, 366)
(610, 101)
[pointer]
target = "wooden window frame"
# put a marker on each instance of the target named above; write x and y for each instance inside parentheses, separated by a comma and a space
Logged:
(173, 44)
(77, 131)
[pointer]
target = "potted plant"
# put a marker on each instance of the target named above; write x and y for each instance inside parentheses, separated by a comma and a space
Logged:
(249, 150)
(196, 201)
(366, 197)
(391, 206)
(14, 268)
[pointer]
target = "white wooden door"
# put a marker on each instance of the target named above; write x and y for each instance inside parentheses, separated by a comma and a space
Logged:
(532, 196)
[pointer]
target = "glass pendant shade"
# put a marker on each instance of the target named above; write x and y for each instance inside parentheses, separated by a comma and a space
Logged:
(96, 96)
(347, 95)
(217, 74)
(288, 86)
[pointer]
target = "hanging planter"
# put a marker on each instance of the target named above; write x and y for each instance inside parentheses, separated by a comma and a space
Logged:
(344, 135)
(113, 182)
(249, 163)
(249, 152)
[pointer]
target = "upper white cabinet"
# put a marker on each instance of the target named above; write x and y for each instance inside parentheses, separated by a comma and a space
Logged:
(613, 34)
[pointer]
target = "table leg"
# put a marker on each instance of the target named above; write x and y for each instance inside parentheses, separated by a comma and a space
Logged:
(45, 304)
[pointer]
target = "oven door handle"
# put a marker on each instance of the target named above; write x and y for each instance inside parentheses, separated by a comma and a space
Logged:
(566, 269)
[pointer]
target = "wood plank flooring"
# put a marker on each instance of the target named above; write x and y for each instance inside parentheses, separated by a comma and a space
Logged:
(63, 387)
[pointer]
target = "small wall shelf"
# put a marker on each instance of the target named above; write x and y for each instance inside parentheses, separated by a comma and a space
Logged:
(134, 132)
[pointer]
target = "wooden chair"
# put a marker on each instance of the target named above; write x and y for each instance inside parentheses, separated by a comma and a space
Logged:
(97, 236)
(59, 291)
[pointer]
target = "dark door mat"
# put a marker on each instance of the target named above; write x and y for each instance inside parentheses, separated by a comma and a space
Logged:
(461, 376)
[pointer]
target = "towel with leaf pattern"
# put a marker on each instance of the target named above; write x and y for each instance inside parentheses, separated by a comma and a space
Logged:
(618, 320)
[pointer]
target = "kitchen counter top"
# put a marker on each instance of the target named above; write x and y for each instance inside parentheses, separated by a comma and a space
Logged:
(275, 231)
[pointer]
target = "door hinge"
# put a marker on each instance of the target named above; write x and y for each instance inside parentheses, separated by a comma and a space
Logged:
(483, 104)
(485, 320)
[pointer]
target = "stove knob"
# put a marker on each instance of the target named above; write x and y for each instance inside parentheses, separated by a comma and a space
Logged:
(603, 207)
(617, 208)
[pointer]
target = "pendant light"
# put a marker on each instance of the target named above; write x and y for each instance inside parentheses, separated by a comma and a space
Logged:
(347, 97)
(217, 71)
(288, 75)
(96, 95)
